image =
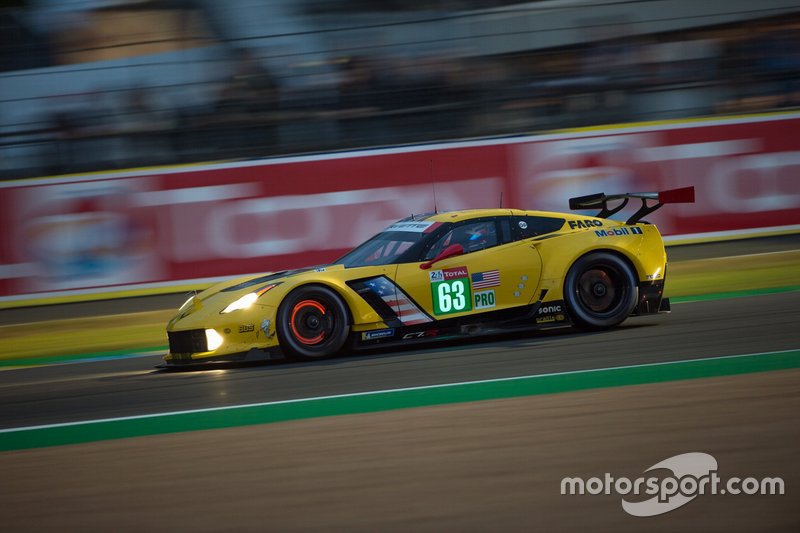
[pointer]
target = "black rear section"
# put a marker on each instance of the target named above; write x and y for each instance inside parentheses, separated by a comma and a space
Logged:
(191, 341)
(651, 299)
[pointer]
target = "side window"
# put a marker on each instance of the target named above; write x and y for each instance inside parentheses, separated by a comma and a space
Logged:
(530, 226)
(472, 235)
(390, 249)
(505, 229)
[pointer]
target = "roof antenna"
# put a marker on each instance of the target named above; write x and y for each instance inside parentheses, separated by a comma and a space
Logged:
(435, 210)
(501, 199)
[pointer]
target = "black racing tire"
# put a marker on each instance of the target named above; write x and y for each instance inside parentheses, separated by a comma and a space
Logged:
(600, 291)
(313, 323)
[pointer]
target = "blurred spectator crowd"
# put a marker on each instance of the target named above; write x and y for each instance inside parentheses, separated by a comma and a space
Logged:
(363, 99)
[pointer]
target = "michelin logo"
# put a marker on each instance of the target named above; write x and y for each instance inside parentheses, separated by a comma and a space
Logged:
(377, 334)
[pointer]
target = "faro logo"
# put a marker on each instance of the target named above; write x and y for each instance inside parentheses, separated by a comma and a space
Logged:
(574, 224)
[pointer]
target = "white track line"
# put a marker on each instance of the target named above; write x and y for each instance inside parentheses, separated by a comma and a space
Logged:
(383, 391)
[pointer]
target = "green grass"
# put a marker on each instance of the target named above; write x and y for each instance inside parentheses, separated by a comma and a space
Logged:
(733, 274)
(131, 331)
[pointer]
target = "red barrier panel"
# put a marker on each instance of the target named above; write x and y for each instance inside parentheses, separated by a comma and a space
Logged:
(148, 228)
(745, 171)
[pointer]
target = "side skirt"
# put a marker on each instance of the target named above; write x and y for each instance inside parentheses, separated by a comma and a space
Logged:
(537, 316)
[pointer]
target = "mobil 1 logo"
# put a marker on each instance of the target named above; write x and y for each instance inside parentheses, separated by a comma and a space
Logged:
(451, 291)
(618, 232)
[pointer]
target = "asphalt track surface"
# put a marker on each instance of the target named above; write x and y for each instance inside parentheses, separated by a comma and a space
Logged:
(127, 387)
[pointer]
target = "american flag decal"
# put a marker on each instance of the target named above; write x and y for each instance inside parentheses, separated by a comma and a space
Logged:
(483, 280)
(408, 313)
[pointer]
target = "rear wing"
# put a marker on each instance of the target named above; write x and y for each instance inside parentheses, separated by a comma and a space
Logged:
(592, 201)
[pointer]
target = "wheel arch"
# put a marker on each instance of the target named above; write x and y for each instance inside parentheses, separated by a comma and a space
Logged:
(559, 274)
(329, 342)
(589, 322)
(317, 283)
(622, 253)
(619, 252)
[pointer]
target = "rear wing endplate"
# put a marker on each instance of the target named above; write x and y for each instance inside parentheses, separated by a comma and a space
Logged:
(601, 200)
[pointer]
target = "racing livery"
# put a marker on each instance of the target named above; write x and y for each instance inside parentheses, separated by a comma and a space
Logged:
(437, 276)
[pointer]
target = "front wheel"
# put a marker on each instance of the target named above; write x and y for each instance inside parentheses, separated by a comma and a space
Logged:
(312, 323)
(600, 291)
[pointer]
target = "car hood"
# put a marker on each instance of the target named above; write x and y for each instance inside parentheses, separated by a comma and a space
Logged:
(240, 286)
(226, 292)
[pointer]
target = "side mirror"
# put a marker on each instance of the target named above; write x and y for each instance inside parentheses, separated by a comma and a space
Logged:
(451, 251)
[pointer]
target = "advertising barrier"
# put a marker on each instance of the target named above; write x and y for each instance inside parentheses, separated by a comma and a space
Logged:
(155, 228)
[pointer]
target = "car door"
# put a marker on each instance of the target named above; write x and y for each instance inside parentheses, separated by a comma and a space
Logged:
(494, 272)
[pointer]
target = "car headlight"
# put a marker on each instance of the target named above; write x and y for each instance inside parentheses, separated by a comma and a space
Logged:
(249, 299)
(242, 303)
(213, 340)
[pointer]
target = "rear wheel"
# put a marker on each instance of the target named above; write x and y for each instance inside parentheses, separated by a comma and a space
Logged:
(600, 291)
(312, 323)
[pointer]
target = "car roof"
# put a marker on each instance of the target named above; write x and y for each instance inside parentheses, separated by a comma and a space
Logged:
(467, 214)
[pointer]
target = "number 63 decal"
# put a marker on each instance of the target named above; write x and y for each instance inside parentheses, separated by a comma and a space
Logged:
(451, 296)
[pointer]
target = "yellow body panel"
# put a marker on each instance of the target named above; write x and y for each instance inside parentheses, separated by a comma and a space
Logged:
(645, 252)
(525, 268)
(519, 266)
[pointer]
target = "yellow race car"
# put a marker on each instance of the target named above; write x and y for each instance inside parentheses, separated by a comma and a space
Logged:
(437, 276)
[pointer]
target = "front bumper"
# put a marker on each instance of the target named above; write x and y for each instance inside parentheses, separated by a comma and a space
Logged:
(212, 336)
(187, 342)
(251, 356)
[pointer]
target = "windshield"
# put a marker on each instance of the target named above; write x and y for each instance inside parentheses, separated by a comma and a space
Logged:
(386, 248)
